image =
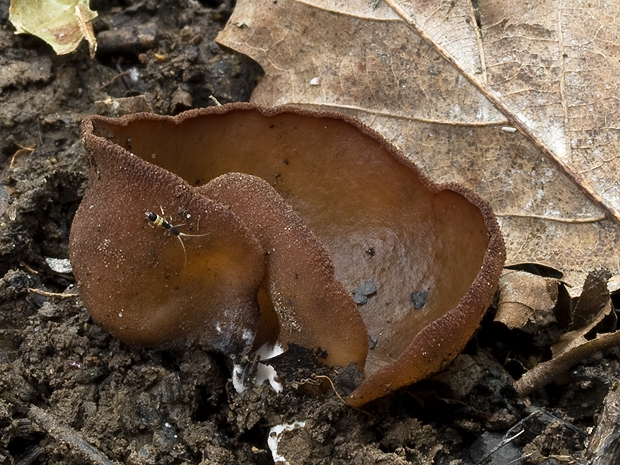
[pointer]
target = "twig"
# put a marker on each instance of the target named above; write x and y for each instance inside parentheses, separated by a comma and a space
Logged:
(28, 268)
(511, 435)
(69, 436)
(51, 294)
(332, 384)
(21, 150)
(545, 372)
(121, 75)
(501, 444)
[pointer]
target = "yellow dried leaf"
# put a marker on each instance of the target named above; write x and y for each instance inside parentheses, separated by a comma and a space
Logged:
(61, 23)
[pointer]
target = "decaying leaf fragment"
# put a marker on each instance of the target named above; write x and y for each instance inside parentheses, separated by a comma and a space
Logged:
(527, 301)
(589, 335)
(61, 23)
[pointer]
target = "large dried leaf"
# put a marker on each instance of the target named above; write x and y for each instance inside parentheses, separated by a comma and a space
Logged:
(449, 86)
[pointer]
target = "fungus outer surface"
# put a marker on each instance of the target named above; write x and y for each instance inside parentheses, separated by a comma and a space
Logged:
(140, 283)
(311, 306)
(376, 215)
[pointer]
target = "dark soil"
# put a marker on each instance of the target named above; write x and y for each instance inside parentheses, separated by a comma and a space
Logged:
(72, 394)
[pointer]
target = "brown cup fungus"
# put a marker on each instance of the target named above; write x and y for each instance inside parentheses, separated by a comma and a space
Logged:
(280, 225)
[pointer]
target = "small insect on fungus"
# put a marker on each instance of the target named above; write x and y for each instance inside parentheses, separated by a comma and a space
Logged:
(161, 222)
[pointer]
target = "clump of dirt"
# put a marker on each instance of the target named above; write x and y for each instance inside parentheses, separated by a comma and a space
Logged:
(72, 394)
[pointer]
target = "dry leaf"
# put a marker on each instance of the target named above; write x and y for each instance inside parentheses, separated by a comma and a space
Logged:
(588, 336)
(594, 297)
(61, 23)
(527, 301)
(516, 103)
(593, 306)
(577, 348)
